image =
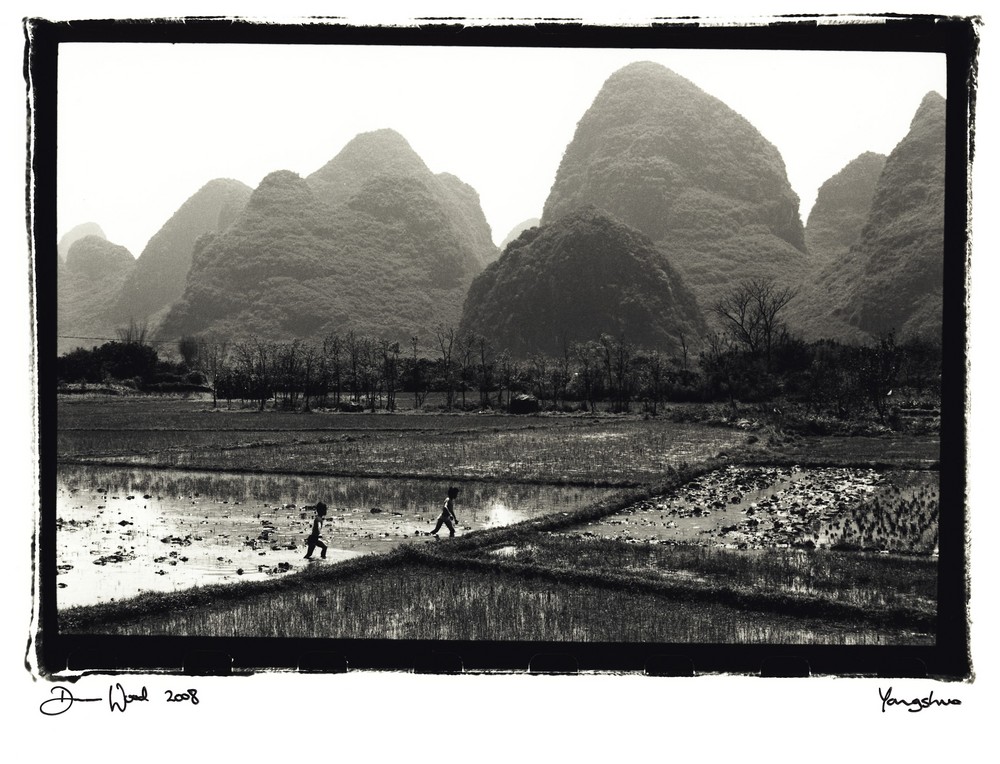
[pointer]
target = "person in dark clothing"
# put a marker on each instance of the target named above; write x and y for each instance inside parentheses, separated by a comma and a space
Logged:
(315, 538)
(447, 514)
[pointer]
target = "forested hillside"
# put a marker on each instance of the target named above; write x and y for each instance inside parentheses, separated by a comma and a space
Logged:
(683, 168)
(373, 241)
(584, 275)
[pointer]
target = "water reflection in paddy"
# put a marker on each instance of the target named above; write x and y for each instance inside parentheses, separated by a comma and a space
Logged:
(124, 531)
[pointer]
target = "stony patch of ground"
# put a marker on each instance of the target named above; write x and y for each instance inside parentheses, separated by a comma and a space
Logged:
(780, 507)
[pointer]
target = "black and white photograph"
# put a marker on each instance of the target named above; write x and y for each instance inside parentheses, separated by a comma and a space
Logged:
(494, 349)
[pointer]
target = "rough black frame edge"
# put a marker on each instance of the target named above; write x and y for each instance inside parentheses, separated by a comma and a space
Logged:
(957, 38)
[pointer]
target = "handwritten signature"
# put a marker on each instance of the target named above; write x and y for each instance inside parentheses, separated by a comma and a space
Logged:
(118, 699)
(915, 704)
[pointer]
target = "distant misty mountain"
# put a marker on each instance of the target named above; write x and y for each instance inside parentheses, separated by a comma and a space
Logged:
(518, 230)
(841, 209)
(690, 173)
(161, 271)
(87, 287)
(665, 200)
(386, 154)
(891, 276)
(372, 241)
(583, 275)
(76, 233)
(835, 223)
(366, 156)
(900, 255)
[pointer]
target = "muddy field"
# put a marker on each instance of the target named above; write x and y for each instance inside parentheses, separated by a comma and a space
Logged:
(775, 537)
(123, 532)
(758, 508)
(572, 449)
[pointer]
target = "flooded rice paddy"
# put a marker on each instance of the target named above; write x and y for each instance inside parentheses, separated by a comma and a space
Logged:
(756, 508)
(121, 532)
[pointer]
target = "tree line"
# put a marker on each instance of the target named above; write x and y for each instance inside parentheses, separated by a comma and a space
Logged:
(752, 358)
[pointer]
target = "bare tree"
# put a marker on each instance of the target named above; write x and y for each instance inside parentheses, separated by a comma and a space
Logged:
(588, 364)
(538, 371)
(739, 316)
(390, 371)
(133, 334)
(333, 347)
(310, 365)
(286, 373)
(656, 374)
(486, 370)
(617, 356)
(354, 347)
(624, 371)
(262, 375)
(562, 374)
(366, 369)
(605, 351)
(770, 300)
(419, 394)
(684, 351)
(508, 371)
(750, 315)
(214, 357)
(717, 360)
(466, 357)
(446, 344)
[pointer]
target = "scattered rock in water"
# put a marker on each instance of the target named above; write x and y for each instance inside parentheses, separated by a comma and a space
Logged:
(119, 556)
(375, 510)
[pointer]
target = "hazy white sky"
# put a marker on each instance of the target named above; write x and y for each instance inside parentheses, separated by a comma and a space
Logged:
(144, 126)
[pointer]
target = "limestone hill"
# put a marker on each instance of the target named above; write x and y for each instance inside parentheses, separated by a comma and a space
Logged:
(574, 279)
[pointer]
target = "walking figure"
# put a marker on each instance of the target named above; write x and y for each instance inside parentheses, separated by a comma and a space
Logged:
(316, 536)
(447, 514)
